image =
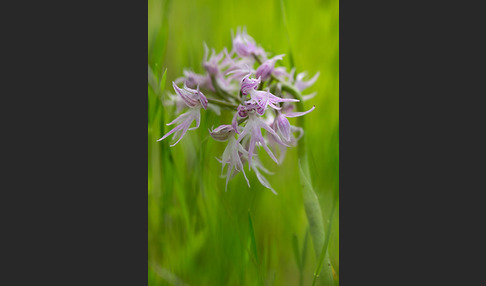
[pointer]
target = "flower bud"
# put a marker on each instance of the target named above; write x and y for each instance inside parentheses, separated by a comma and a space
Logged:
(211, 68)
(222, 133)
(192, 97)
(266, 68)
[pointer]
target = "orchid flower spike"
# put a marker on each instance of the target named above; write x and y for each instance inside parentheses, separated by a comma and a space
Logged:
(255, 96)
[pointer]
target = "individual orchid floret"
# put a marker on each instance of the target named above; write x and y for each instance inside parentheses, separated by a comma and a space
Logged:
(232, 156)
(281, 150)
(253, 130)
(236, 73)
(300, 85)
(259, 105)
(212, 64)
(239, 69)
(282, 126)
(192, 97)
(245, 46)
(222, 133)
(285, 131)
(266, 68)
(195, 100)
(260, 95)
(185, 120)
(192, 80)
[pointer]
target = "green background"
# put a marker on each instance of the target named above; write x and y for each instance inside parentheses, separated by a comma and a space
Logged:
(198, 234)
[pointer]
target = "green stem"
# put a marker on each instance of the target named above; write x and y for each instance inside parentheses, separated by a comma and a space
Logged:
(257, 59)
(242, 120)
(221, 92)
(222, 103)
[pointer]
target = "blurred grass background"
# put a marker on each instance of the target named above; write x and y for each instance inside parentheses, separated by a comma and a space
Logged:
(198, 233)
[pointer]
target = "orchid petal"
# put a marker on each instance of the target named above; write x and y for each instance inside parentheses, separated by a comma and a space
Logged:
(296, 114)
(309, 96)
(264, 182)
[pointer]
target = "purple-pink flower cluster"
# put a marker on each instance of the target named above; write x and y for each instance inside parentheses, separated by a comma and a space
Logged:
(246, 82)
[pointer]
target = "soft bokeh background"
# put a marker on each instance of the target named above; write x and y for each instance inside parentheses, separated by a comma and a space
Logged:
(198, 233)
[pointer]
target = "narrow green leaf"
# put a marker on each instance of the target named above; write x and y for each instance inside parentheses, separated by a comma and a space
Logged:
(254, 249)
(162, 83)
(295, 244)
(152, 80)
(154, 93)
(284, 17)
(324, 257)
(313, 211)
(304, 247)
(316, 224)
(252, 237)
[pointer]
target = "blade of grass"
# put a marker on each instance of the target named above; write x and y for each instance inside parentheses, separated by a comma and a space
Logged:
(152, 80)
(253, 247)
(158, 40)
(284, 17)
(295, 244)
(324, 253)
(304, 255)
(316, 224)
(300, 256)
(154, 93)
(162, 83)
(252, 237)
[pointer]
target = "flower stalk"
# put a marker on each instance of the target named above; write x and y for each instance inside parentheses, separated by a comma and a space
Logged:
(222, 103)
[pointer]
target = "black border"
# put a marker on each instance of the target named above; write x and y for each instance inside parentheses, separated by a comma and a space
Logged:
(75, 201)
